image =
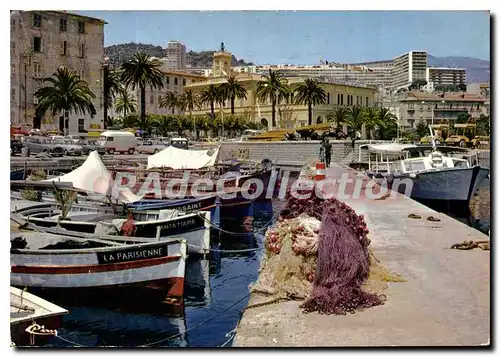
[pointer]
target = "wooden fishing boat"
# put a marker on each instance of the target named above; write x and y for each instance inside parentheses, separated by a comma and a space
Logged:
(26, 309)
(148, 225)
(49, 261)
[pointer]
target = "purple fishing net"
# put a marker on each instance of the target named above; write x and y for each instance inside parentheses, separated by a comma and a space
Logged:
(343, 259)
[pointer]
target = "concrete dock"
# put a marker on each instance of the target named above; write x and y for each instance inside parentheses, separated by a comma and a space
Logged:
(445, 300)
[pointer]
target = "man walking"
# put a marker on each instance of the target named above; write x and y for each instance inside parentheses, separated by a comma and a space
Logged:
(328, 152)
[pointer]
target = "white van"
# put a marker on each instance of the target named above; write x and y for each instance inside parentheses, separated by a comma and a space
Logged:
(118, 141)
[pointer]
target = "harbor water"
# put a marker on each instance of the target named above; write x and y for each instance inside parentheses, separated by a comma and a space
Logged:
(212, 286)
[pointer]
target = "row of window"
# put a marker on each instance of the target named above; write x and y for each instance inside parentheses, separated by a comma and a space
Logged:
(39, 73)
(176, 81)
(38, 46)
(411, 106)
(350, 100)
(63, 24)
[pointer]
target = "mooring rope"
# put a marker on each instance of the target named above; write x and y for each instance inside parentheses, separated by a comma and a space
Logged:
(197, 325)
(226, 250)
(264, 227)
(36, 329)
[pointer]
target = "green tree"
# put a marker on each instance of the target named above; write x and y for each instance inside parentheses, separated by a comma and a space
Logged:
(115, 122)
(125, 103)
(165, 124)
(338, 116)
(111, 86)
(387, 123)
(140, 71)
(422, 129)
(310, 93)
(67, 93)
(272, 87)
(210, 95)
(191, 101)
(171, 101)
(234, 89)
(371, 120)
(130, 121)
(355, 119)
(483, 125)
(462, 118)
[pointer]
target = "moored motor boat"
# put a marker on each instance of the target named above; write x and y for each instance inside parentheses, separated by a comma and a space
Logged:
(437, 179)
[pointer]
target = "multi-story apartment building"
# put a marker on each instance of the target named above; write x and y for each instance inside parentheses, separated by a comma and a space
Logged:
(288, 115)
(409, 67)
(446, 76)
(176, 56)
(436, 108)
(352, 74)
(42, 41)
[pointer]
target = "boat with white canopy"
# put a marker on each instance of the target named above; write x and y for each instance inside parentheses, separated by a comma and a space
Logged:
(444, 178)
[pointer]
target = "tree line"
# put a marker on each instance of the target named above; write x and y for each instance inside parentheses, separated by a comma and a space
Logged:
(67, 92)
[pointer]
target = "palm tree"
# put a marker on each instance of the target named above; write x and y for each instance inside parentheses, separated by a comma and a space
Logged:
(170, 100)
(113, 122)
(338, 116)
(371, 119)
(67, 93)
(191, 101)
(387, 122)
(233, 90)
(421, 129)
(140, 71)
(111, 86)
(272, 87)
(311, 93)
(125, 103)
(210, 95)
(355, 118)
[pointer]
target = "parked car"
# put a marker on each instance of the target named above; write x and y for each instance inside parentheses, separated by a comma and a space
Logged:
(150, 147)
(69, 147)
(91, 145)
(15, 146)
(38, 144)
(74, 138)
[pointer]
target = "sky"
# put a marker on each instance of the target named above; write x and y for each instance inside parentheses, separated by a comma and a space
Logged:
(306, 37)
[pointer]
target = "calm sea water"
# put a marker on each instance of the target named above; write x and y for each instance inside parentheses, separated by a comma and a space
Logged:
(212, 285)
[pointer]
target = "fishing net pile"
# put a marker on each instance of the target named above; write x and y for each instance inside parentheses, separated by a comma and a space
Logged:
(318, 252)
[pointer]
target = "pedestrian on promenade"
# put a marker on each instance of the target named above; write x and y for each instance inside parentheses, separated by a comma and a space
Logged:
(328, 152)
(322, 150)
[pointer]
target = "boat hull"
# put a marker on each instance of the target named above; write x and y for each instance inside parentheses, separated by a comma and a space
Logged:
(447, 190)
(194, 228)
(156, 266)
(21, 338)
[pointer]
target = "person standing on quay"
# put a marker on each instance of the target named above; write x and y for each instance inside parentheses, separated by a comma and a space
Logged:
(327, 147)
(322, 150)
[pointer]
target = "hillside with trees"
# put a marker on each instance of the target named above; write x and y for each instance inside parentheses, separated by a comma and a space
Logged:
(120, 53)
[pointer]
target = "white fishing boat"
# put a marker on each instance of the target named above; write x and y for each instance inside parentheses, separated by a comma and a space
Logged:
(27, 309)
(50, 261)
(444, 178)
